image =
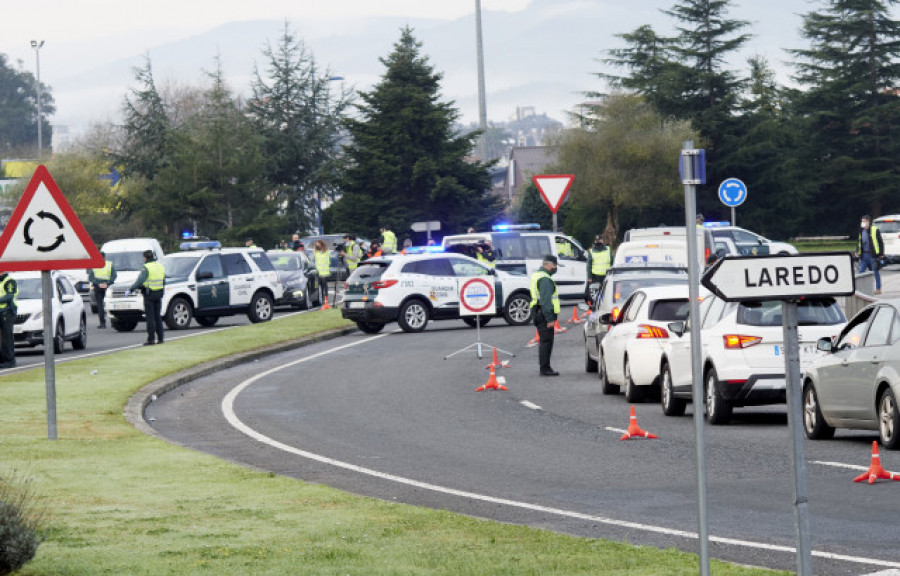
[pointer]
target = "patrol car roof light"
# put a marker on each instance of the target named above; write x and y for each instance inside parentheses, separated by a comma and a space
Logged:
(423, 249)
(203, 245)
(716, 224)
(507, 227)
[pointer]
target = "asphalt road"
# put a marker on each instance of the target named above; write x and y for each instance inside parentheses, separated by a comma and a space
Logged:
(388, 416)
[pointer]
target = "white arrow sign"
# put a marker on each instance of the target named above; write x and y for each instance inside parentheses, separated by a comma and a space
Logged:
(781, 277)
(553, 188)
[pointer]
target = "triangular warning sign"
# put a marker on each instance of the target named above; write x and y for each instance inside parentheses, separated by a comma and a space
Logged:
(43, 232)
(553, 188)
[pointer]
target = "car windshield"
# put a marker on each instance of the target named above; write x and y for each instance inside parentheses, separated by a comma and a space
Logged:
(622, 289)
(29, 289)
(368, 272)
(286, 261)
(181, 266)
(670, 310)
(888, 226)
(810, 312)
(126, 261)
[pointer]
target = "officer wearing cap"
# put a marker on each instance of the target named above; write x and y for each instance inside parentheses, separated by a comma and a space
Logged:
(545, 305)
(152, 283)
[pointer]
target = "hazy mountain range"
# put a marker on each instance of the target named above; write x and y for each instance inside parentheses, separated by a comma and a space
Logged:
(543, 56)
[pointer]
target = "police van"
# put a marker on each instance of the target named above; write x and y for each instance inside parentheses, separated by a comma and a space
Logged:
(521, 248)
(204, 282)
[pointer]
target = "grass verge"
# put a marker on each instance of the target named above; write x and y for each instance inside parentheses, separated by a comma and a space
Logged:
(119, 502)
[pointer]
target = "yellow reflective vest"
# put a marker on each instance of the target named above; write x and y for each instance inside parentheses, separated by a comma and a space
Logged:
(8, 286)
(601, 260)
(389, 245)
(323, 263)
(156, 276)
(535, 293)
(105, 273)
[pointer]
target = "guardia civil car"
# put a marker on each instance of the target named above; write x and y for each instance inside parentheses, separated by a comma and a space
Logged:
(204, 282)
(412, 289)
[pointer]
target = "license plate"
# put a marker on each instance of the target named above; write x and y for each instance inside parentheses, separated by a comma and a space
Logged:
(356, 304)
(807, 351)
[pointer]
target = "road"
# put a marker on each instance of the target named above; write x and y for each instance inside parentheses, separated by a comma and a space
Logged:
(388, 416)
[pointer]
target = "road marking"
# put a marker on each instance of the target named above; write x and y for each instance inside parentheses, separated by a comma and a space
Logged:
(228, 411)
(616, 430)
(840, 465)
(531, 405)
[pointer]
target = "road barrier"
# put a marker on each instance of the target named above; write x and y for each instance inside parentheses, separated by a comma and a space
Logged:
(875, 471)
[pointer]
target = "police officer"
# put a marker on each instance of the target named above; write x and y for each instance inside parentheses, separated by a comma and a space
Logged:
(545, 304)
(8, 292)
(322, 256)
(152, 283)
(601, 260)
(100, 279)
(352, 252)
(248, 243)
(870, 249)
(485, 253)
(388, 240)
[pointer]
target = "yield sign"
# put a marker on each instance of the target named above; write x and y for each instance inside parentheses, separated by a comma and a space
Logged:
(43, 232)
(553, 188)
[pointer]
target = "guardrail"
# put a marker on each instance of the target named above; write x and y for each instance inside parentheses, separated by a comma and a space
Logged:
(865, 286)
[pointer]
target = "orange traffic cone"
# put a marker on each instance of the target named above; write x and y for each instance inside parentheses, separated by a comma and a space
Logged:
(534, 341)
(492, 383)
(495, 362)
(634, 430)
(326, 305)
(557, 329)
(875, 471)
(574, 319)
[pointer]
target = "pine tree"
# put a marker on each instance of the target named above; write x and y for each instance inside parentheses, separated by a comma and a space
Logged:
(148, 132)
(406, 164)
(18, 112)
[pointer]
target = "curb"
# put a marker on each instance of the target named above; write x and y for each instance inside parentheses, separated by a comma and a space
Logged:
(138, 402)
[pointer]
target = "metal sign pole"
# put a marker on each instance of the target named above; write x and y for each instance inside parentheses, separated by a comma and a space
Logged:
(733, 219)
(795, 419)
(49, 364)
(690, 218)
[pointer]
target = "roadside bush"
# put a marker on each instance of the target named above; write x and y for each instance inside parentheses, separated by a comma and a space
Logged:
(19, 519)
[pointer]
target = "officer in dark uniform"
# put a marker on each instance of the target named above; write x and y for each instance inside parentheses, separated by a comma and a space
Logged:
(152, 283)
(8, 292)
(545, 302)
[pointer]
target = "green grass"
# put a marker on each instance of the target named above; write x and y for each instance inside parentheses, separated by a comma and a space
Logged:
(119, 502)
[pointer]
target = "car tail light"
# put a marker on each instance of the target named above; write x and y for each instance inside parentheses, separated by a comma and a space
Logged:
(737, 341)
(706, 254)
(647, 331)
(615, 314)
(382, 284)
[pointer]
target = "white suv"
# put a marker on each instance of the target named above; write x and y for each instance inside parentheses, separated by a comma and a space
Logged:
(413, 289)
(204, 282)
(742, 353)
(69, 322)
(749, 243)
(890, 234)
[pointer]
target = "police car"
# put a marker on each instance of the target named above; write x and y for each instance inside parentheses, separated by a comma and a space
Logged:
(412, 289)
(205, 282)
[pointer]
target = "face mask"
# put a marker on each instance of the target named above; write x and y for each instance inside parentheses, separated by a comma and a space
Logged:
(551, 272)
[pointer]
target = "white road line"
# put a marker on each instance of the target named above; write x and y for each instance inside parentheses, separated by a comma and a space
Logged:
(531, 405)
(616, 430)
(231, 417)
(840, 465)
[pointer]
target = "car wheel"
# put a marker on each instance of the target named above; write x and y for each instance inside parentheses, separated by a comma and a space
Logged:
(718, 410)
(482, 320)
(605, 387)
(80, 341)
(813, 423)
(671, 405)
(207, 321)
(370, 327)
(179, 314)
(633, 393)
(261, 308)
(59, 338)
(888, 420)
(122, 325)
(590, 365)
(517, 311)
(413, 316)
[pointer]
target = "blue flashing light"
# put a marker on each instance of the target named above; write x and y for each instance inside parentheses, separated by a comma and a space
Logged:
(204, 245)
(423, 249)
(186, 235)
(716, 224)
(508, 227)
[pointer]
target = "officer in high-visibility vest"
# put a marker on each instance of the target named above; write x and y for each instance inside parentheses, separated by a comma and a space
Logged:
(545, 305)
(322, 258)
(870, 249)
(8, 292)
(388, 240)
(601, 260)
(352, 252)
(152, 284)
(485, 253)
(100, 279)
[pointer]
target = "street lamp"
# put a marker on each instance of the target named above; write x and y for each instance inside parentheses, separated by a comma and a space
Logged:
(37, 55)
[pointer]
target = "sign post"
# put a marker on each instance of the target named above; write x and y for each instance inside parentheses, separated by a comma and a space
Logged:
(732, 192)
(426, 227)
(787, 278)
(44, 234)
(477, 297)
(554, 189)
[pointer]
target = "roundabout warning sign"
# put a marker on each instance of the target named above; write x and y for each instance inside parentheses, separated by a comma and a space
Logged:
(476, 296)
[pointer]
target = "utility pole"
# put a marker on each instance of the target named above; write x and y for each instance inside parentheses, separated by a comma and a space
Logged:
(482, 107)
(40, 120)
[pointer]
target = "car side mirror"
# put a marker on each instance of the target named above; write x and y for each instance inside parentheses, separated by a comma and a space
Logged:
(677, 328)
(824, 345)
(67, 298)
(607, 318)
(205, 275)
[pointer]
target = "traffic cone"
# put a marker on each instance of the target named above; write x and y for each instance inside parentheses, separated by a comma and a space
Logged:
(326, 305)
(495, 362)
(875, 471)
(534, 341)
(557, 329)
(492, 383)
(574, 319)
(634, 430)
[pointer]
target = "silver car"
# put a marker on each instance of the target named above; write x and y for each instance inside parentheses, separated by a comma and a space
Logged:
(857, 383)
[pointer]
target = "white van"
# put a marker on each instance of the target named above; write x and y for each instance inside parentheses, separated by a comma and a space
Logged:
(890, 233)
(127, 256)
(651, 253)
(521, 248)
(705, 242)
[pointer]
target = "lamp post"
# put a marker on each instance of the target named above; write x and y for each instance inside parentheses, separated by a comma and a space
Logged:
(482, 107)
(37, 55)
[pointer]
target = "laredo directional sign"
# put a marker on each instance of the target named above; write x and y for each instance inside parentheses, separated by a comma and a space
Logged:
(781, 277)
(43, 232)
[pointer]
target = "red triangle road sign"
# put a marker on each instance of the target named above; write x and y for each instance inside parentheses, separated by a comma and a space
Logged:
(44, 233)
(553, 188)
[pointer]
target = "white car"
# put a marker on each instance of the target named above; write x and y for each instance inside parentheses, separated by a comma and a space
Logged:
(630, 351)
(890, 234)
(412, 289)
(742, 353)
(204, 282)
(69, 318)
(749, 243)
